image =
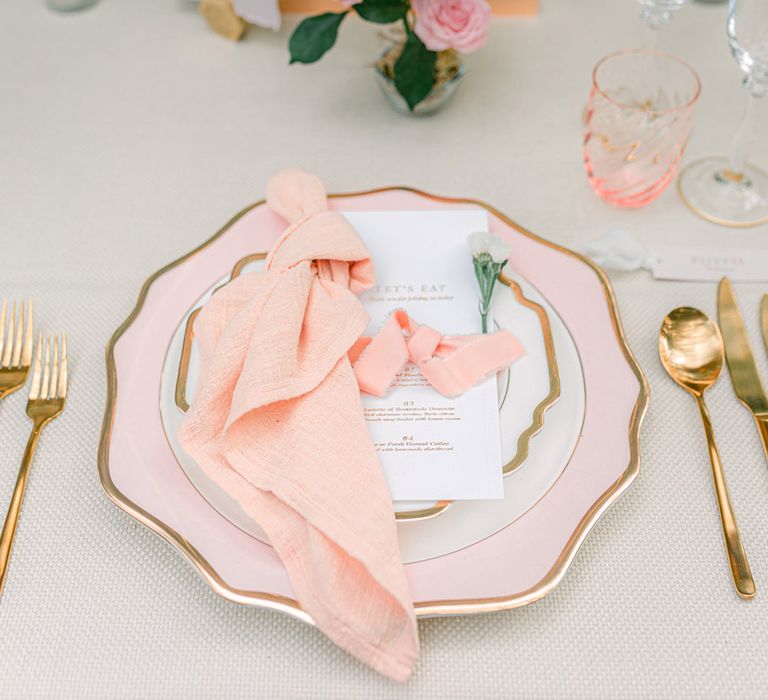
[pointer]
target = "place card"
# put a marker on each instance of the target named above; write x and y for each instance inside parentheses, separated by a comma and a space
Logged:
(709, 264)
(618, 249)
(431, 447)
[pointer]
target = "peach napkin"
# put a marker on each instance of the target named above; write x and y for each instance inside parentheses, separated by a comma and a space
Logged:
(277, 422)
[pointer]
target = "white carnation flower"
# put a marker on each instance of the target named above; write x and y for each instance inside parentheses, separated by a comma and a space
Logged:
(479, 241)
(484, 242)
(499, 249)
(489, 256)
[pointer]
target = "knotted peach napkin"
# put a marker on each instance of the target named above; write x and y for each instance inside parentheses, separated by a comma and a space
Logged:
(277, 422)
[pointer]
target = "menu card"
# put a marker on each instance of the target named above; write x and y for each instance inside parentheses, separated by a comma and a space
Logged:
(430, 447)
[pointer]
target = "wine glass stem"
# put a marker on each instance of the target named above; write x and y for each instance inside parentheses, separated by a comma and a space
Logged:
(743, 139)
(653, 32)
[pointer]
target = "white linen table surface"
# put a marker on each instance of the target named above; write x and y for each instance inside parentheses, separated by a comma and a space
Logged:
(130, 133)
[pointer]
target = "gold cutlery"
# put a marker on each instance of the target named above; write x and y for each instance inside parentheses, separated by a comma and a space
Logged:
(46, 402)
(764, 319)
(15, 347)
(691, 350)
(741, 363)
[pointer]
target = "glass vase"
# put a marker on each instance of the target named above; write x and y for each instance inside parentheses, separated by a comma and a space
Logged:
(449, 75)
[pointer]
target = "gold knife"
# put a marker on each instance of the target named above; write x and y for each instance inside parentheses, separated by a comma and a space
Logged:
(764, 318)
(741, 362)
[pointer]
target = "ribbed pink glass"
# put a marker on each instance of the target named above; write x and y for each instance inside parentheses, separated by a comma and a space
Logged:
(637, 124)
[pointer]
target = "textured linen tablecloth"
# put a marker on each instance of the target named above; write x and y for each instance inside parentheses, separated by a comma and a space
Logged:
(130, 133)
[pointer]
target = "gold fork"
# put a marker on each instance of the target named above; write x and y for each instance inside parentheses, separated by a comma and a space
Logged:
(46, 402)
(16, 350)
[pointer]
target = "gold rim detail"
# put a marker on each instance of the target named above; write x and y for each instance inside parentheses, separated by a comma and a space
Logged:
(523, 442)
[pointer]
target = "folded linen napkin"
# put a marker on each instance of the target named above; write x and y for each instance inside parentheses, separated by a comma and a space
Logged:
(277, 422)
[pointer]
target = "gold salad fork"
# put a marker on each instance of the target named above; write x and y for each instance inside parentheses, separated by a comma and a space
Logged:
(46, 402)
(15, 348)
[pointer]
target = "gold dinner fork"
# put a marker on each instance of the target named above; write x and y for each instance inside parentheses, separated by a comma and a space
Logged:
(46, 402)
(15, 348)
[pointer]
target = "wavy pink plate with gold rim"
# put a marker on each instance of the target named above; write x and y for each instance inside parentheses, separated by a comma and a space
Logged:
(515, 566)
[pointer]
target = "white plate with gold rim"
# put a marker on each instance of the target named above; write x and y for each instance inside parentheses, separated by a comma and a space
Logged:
(545, 387)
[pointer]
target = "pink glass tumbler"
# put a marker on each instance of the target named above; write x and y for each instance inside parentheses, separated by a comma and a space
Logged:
(637, 124)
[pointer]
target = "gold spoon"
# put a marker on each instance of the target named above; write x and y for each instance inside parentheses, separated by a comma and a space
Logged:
(691, 350)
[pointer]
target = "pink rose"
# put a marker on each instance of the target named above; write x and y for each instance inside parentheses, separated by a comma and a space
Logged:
(452, 24)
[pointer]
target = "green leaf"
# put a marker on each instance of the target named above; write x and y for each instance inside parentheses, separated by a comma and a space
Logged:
(314, 36)
(382, 11)
(415, 71)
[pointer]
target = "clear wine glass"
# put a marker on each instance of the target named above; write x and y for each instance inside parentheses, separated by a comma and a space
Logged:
(657, 13)
(728, 190)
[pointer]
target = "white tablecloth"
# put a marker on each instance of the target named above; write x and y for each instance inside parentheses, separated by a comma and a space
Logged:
(130, 133)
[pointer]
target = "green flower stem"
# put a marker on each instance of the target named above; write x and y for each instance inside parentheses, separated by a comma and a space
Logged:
(487, 272)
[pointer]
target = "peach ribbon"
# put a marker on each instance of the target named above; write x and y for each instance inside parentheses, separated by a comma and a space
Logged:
(451, 363)
(277, 423)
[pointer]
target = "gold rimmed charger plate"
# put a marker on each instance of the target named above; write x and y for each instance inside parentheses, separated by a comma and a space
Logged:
(440, 604)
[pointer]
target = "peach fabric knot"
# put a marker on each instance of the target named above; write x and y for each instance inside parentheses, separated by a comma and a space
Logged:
(451, 364)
